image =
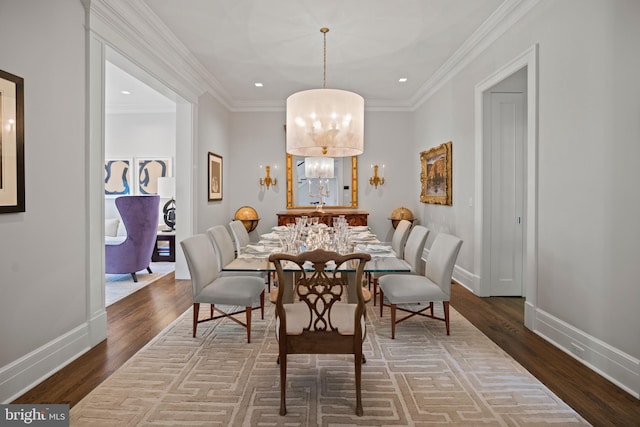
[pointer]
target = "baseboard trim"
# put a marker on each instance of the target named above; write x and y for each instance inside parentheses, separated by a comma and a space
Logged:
(466, 279)
(618, 367)
(25, 373)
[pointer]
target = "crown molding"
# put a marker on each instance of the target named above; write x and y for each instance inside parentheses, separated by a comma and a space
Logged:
(132, 30)
(497, 24)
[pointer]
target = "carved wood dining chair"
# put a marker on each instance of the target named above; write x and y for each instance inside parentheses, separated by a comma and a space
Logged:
(322, 311)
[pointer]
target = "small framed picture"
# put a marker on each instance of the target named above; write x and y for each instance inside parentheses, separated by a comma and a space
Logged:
(215, 176)
(148, 171)
(12, 183)
(118, 177)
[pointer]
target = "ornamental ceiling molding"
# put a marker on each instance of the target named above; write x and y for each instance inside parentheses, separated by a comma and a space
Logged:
(137, 25)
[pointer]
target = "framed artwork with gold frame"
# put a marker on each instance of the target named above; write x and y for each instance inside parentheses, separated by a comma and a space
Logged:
(436, 175)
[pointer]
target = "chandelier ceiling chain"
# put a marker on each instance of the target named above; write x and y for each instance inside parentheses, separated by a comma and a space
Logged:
(324, 31)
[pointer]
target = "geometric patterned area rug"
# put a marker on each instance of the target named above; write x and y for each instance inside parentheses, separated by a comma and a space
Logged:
(422, 378)
(118, 286)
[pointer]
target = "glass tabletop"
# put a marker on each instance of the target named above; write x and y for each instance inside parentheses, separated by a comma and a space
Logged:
(383, 264)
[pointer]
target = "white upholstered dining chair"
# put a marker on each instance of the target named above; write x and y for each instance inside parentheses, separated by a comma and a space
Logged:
(240, 235)
(414, 294)
(208, 287)
(398, 242)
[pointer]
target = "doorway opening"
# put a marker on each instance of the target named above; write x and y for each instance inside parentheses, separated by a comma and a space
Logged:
(139, 143)
(518, 180)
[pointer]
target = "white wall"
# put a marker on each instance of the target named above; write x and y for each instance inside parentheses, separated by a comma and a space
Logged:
(259, 138)
(588, 203)
(43, 251)
(213, 136)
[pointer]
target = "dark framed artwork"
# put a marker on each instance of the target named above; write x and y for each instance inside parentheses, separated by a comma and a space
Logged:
(118, 177)
(148, 171)
(215, 176)
(12, 184)
(436, 175)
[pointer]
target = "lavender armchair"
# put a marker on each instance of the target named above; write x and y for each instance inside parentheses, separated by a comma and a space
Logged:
(140, 218)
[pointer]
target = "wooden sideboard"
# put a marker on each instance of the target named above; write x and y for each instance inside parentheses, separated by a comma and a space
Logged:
(354, 218)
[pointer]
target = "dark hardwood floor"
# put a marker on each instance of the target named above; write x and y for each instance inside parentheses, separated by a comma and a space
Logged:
(136, 319)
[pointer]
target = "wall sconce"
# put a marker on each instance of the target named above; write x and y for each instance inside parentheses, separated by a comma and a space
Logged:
(376, 179)
(268, 181)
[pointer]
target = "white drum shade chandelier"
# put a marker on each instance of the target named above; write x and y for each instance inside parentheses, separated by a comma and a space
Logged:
(325, 122)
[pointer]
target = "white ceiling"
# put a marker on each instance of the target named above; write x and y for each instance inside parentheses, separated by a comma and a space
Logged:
(371, 44)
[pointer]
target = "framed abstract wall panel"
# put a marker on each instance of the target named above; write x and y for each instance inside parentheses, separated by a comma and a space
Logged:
(148, 170)
(12, 184)
(436, 175)
(118, 177)
(215, 176)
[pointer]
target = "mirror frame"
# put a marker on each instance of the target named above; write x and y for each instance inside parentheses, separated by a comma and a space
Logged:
(354, 185)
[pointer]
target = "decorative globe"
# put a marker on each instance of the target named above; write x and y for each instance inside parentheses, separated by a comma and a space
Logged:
(248, 216)
(399, 214)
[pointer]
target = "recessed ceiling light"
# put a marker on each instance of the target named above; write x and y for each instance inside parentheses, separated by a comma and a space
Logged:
(125, 92)
(402, 80)
(258, 84)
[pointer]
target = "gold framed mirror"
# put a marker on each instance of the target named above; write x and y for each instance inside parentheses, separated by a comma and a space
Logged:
(343, 189)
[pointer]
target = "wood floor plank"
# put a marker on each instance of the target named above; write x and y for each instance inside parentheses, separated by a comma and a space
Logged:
(136, 319)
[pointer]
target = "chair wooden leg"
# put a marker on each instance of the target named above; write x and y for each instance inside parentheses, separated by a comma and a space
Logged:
(149, 270)
(247, 311)
(375, 291)
(445, 304)
(381, 301)
(393, 321)
(283, 383)
(358, 369)
(135, 278)
(196, 310)
(262, 305)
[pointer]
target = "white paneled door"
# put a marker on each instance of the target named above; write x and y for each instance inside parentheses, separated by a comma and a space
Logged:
(507, 188)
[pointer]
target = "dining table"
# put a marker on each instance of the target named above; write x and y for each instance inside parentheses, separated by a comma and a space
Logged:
(255, 257)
